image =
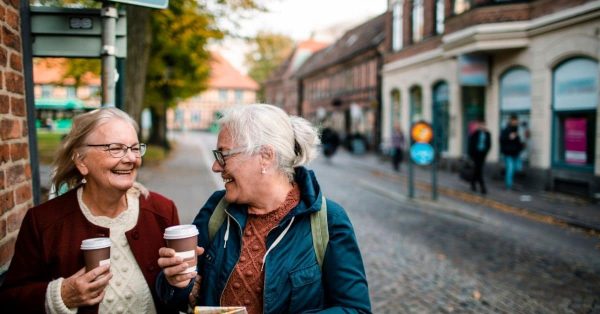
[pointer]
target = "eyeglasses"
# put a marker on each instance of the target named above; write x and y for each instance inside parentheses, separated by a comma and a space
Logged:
(118, 150)
(220, 154)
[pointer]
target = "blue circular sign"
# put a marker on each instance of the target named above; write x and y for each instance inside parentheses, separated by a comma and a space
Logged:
(422, 153)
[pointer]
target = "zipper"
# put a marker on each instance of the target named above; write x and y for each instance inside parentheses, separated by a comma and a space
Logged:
(238, 259)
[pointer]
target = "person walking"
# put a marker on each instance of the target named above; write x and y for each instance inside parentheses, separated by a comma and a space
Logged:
(262, 255)
(397, 147)
(330, 141)
(479, 145)
(511, 146)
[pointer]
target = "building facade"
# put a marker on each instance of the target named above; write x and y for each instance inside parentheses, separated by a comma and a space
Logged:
(282, 87)
(15, 167)
(340, 85)
(226, 87)
(453, 62)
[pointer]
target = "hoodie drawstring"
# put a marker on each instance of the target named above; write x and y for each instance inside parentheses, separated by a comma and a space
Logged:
(227, 232)
(279, 238)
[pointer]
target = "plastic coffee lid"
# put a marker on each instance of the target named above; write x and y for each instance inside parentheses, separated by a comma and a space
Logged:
(180, 232)
(95, 243)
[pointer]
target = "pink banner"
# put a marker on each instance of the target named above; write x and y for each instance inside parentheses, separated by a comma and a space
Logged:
(576, 141)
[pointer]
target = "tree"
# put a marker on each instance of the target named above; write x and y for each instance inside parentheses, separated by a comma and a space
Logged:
(268, 51)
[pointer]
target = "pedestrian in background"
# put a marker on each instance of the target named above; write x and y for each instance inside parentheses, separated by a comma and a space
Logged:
(262, 256)
(330, 141)
(98, 162)
(511, 146)
(479, 145)
(397, 147)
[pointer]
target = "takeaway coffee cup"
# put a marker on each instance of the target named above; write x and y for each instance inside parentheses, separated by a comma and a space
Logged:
(183, 239)
(96, 252)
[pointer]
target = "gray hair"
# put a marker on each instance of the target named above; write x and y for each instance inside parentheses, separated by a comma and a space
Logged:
(83, 125)
(294, 139)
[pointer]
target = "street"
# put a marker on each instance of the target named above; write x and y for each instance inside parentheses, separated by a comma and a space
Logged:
(423, 256)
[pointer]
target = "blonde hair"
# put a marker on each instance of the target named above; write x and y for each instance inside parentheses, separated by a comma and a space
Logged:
(294, 139)
(65, 172)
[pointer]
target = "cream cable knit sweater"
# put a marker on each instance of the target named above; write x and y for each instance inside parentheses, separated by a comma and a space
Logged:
(127, 291)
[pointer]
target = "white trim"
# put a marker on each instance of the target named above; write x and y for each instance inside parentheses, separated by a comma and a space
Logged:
(416, 59)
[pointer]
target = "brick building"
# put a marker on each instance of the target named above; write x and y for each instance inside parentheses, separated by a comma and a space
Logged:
(15, 169)
(281, 89)
(226, 87)
(451, 62)
(341, 83)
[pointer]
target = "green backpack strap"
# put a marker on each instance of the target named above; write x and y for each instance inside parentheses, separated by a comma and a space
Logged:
(318, 227)
(216, 219)
(320, 232)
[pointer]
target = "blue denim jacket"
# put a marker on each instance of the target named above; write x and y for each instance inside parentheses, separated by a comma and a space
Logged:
(294, 282)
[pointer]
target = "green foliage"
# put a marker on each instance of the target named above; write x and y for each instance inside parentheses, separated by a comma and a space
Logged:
(48, 144)
(179, 60)
(77, 68)
(268, 51)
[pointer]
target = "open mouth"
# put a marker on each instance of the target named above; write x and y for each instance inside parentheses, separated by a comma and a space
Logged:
(121, 172)
(227, 180)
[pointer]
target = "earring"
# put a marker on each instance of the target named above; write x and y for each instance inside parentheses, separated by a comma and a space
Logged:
(263, 171)
(83, 181)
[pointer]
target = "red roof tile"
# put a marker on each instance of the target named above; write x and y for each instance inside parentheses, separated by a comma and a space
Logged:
(224, 75)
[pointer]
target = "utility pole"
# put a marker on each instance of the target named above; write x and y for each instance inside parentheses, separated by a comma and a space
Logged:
(109, 22)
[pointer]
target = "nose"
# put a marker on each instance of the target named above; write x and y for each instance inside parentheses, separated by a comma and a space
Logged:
(129, 155)
(216, 167)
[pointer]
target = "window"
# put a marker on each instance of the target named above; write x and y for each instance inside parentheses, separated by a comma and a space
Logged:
(222, 95)
(46, 90)
(416, 104)
(417, 21)
(439, 16)
(396, 108)
(460, 6)
(441, 115)
(575, 99)
(71, 91)
(515, 99)
(397, 26)
(239, 96)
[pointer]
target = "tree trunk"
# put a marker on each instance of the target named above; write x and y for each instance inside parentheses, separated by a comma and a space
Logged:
(139, 39)
(158, 133)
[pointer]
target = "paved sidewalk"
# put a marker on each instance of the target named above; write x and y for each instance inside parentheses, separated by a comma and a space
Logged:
(540, 205)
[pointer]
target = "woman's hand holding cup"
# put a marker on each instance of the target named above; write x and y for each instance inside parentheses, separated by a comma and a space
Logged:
(84, 289)
(174, 267)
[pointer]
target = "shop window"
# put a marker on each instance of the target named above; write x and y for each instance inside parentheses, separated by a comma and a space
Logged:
(239, 96)
(441, 115)
(575, 89)
(439, 16)
(417, 21)
(222, 95)
(47, 90)
(416, 103)
(397, 28)
(515, 99)
(396, 112)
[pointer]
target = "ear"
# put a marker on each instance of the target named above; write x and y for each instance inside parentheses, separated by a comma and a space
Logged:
(81, 166)
(267, 155)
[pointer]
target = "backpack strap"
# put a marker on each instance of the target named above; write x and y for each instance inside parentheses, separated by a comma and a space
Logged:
(320, 231)
(216, 219)
(318, 227)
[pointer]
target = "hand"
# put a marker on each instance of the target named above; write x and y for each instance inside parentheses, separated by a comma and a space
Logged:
(193, 297)
(82, 289)
(173, 266)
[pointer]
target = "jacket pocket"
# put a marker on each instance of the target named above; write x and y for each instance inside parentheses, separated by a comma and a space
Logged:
(307, 289)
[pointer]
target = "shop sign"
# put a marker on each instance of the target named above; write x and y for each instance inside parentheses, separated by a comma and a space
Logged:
(473, 70)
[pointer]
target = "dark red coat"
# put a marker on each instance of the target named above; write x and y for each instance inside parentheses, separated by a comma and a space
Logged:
(48, 244)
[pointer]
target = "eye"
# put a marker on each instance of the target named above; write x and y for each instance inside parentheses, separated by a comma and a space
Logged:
(135, 149)
(115, 148)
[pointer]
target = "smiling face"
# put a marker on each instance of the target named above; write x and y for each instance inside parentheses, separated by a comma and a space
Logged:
(100, 169)
(241, 174)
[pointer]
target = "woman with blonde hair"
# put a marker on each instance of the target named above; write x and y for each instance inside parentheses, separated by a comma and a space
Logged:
(97, 163)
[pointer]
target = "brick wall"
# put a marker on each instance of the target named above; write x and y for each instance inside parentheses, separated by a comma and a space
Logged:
(15, 171)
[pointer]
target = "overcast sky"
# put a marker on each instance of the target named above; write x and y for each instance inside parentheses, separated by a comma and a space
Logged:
(301, 18)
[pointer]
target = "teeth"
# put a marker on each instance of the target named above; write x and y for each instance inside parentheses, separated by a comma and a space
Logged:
(227, 180)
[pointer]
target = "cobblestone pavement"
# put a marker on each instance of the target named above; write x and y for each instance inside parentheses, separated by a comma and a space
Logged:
(443, 259)
(425, 257)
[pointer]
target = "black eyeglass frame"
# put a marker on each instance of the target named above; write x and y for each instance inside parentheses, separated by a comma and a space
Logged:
(221, 154)
(120, 151)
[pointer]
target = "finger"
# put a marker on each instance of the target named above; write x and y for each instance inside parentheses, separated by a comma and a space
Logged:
(199, 250)
(181, 280)
(101, 282)
(98, 271)
(176, 269)
(166, 252)
(97, 299)
(165, 262)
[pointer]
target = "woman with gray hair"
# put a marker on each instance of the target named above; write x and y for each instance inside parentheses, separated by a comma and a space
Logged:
(271, 241)
(97, 163)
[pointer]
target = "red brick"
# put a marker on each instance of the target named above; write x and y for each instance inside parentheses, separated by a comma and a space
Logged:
(17, 106)
(2, 228)
(12, 19)
(7, 201)
(13, 223)
(25, 128)
(11, 38)
(28, 171)
(6, 251)
(2, 185)
(23, 194)
(19, 151)
(15, 175)
(4, 107)
(4, 154)
(3, 54)
(10, 129)
(15, 62)
(14, 82)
